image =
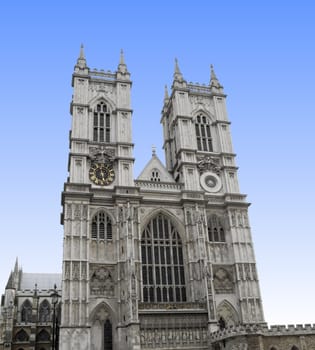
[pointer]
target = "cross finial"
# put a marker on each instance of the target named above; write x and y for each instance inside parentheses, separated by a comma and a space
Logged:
(153, 151)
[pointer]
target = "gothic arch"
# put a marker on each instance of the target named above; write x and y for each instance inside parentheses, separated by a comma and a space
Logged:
(106, 211)
(199, 111)
(44, 311)
(102, 326)
(105, 309)
(26, 311)
(161, 211)
(21, 336)
(273, 347)
(227, 312)
(101, 97)
(43, 335)
(108, 231)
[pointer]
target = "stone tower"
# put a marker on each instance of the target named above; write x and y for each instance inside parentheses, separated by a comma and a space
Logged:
(164, 260)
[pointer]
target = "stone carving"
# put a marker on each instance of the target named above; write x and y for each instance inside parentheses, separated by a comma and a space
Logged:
(101, 281)
(80, 110)
(102, 154)
(207, 163)
(223, 280)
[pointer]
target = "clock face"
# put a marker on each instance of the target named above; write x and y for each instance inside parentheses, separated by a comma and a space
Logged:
(102, 174)
(210, 182)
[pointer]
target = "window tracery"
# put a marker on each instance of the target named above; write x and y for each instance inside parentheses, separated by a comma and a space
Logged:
(203, 133)
(26, 311)
(163, 273)
(44, 311)
(101, 123)
(215, 229)
(101, 227)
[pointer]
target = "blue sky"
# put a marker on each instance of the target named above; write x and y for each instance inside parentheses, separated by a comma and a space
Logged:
(264, 55)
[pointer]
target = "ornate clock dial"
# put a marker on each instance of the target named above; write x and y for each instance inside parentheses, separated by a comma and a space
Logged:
(210, 182)
(102, 174)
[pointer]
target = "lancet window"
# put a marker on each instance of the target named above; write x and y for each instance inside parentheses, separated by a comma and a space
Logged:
(102, 227)
(163, 273)
(203, 134)
(26, 311)
(101, 123)
(215, 229)
(44, 311)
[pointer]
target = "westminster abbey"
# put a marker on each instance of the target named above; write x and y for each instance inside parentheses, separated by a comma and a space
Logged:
(163, 261)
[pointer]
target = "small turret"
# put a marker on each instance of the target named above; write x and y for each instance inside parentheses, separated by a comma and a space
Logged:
(178, 77)
(122, 71)
(214, 82)
(81, 66)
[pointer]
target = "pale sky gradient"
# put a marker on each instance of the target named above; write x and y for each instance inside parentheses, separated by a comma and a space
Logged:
(264, 55)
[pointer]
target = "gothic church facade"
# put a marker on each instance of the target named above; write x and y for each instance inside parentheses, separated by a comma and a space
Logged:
(172, 248)
(164, 261)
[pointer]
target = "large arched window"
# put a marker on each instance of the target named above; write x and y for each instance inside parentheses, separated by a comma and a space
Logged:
(203, 134)
(44, 311)
(26, 311)
(162, 262)
(101, 123)
(101, 227)
(215, 229)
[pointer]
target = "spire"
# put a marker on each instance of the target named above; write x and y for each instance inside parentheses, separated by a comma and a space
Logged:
(177, 73)
(16, 266)
(214, 82)
(10, 283)
(81, 61)
(122, 67)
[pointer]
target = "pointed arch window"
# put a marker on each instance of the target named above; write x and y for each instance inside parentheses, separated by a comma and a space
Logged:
(101, 123)
(215, 229)
(203, 133)
(101, 227)
(44, 312)
(163, 274)
(21, 336)
(43, 335)
(26, 311)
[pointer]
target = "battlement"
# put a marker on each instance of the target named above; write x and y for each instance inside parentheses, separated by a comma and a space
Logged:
(199, 88)
(263, 329)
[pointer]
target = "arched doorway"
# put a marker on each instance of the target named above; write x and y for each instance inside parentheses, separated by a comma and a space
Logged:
(102, 329)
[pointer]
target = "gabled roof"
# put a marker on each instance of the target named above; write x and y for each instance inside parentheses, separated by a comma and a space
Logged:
(44, 281)
(155, 165)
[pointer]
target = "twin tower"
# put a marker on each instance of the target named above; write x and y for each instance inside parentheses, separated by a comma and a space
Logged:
(167, 259)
